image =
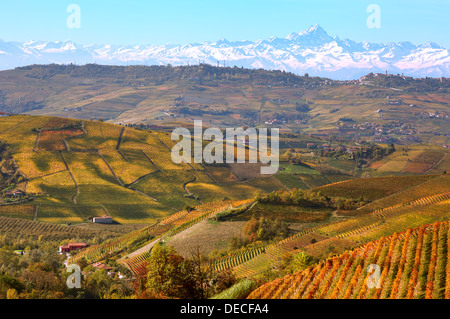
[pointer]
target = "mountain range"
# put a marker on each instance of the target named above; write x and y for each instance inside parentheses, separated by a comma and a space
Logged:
(311, 51)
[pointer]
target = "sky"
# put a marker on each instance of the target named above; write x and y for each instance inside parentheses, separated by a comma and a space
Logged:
(195, 21)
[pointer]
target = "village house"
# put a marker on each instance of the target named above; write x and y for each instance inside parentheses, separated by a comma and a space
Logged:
(16, 193)
(72, 246)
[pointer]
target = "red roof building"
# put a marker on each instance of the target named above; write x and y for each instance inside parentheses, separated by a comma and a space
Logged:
(72, 246)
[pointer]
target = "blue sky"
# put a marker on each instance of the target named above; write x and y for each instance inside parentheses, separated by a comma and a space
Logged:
(188, 21)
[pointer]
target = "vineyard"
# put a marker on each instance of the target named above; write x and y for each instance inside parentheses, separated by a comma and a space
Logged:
(341, 235)
(166, 228)
(407, 265)
(136, 261)
(435, 184)
(26, 228)
(55, 140)
(374, 188)
(81, 168)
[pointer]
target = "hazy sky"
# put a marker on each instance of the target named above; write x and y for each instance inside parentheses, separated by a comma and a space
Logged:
(188, 21)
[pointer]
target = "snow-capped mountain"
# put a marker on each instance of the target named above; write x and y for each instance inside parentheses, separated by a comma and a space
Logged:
(311, 51)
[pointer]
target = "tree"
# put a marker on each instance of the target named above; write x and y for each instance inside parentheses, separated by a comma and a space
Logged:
(188, 208)
(12, 294)
(250, 227)
(224, 280)
(201, 273)
(98, 283)
(166, 272)
(299, 262)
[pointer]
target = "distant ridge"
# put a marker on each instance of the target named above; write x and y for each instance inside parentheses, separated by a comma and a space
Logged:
(311, 51)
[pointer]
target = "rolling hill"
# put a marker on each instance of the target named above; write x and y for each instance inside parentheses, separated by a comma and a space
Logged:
(222, 96)
(76, 170)
(340, 232)
(411, 264)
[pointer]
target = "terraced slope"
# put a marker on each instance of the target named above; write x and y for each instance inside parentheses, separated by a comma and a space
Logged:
(79, 169)
(135, 259)
(345, 234)
(23, 228)
(407, 265)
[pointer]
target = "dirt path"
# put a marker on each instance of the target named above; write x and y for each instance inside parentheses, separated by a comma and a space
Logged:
(281, 183)
(111, 169)
(150, 160)
(119, 141)
(188, 182)
(36, 142)
(303, 181)
(15, 126)
(327, 178)
(207, 173)
(161, 141)
(74, 198)
(105, 211)
(144, 194)
(144, 249)
(35, 212)
(437, 163)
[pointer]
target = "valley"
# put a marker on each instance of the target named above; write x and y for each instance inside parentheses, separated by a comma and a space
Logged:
(361, 166)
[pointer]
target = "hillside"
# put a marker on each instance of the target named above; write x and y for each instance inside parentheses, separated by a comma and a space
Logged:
(411, 264)
(222, 96)
(344, 231)
(339, 232)
(74, 170)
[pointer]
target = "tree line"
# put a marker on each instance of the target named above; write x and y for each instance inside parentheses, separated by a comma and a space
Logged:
(308, 198)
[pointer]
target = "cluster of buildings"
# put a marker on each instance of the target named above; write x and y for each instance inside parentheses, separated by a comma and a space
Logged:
(99, 265)
(274, 121)
(430, 115)
(380, 132)
(14, 194)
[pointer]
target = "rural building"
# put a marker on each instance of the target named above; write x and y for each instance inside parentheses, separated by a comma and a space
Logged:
(16, 193)
(72, 246)
(103, 220)
(100, 265)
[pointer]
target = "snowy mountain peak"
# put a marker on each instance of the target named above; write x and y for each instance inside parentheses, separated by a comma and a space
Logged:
(314, 35)
(315, 29)
(311, 51)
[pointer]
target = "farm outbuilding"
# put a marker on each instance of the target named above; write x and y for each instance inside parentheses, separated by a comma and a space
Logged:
(103, 220)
